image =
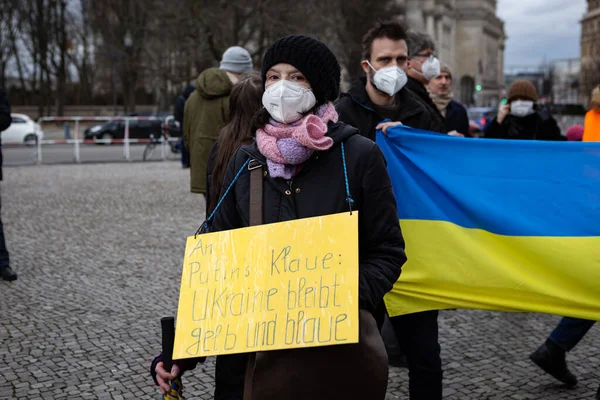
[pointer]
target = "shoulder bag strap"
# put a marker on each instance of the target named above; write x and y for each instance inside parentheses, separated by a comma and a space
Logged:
(256, 218)
(256, 193)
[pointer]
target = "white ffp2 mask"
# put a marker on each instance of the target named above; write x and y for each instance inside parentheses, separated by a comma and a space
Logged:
(389, 80)
(521, 108)
(431, 68)
(286, 101)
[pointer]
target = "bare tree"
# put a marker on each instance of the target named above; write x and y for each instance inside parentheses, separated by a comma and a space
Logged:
(80, 55)
(138, 47)
(7, 32)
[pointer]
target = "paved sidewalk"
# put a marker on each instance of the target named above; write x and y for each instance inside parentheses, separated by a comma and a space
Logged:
(98, 250)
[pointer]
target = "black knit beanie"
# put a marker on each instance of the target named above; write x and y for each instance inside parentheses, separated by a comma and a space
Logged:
(311, 57)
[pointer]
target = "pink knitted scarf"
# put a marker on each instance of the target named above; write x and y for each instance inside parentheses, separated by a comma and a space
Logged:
(288, 145)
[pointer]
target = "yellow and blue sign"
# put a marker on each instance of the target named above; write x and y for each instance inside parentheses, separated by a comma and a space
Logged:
(504, 225)
(277, 286)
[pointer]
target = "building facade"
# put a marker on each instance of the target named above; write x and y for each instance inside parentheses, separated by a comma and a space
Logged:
(566, 81)
(470, 39)
(479, 52)
(436, 18)
(590, 51)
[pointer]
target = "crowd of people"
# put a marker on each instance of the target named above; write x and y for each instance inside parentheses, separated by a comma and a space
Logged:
(315, 150)
(292, 122)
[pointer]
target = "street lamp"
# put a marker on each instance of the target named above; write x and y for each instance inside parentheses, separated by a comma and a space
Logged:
(128, 43)
(128, 39)
(113, 60)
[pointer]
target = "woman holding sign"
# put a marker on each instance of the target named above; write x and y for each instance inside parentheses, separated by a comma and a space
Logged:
(311, 165)
(314, 165)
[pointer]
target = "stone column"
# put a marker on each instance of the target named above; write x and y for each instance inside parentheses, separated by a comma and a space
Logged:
(430, 25)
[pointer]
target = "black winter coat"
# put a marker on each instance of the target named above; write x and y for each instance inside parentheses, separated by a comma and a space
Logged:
(5, 119)
(319, 189)
(355, 108)
(422, 94)
(180, 105)
(457, 118)
(531, 127)
(353, 371)
(210, 167)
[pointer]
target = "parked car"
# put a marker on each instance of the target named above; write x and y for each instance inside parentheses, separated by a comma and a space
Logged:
(143, 129)
(138, 129)
(173, 126)
(22, 130)
(479, 118)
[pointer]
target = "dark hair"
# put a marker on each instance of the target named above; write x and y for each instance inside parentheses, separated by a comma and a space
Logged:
(393, 30)
(245, 99)
(419, 41)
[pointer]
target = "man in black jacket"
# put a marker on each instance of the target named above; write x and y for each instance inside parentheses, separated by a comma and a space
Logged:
(367, 104)
(5, 271)
(455, 114)
(423, 66)
(382, 95)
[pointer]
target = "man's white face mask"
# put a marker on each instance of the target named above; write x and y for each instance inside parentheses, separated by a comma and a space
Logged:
(389, 80)
(431, 68)
(521, 108)
(287, 101)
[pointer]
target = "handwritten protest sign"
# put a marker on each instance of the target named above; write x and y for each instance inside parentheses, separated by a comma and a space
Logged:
(285, 285)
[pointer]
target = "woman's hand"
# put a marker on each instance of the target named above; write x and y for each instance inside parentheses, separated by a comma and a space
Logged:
(162, 376)
(503, 111)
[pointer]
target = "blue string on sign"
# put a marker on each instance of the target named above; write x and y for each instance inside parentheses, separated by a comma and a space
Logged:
(349, 199)
(205, 224)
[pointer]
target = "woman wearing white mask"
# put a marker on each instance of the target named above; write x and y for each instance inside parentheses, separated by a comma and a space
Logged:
(518, 119)
(314, 165)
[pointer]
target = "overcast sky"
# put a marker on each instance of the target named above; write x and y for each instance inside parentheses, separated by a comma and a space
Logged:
(538, 28)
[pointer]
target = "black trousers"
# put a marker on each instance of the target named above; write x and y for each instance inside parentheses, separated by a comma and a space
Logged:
(417, 336)
(185, 154)
(229, 377)
(4, 259)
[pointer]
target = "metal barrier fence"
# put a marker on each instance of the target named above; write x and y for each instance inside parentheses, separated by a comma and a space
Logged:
(77, 141)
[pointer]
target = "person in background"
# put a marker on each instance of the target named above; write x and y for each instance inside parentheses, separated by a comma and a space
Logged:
(422, 66)
(440, 91)
(244, 102)
(6, 272)
(518, 119)
(591, 126)
(575, 133)
(207, 111)
(382, 95)
(551, 356)
(178, 114)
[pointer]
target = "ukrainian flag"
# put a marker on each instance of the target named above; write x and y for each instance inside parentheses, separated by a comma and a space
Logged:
(504, 225)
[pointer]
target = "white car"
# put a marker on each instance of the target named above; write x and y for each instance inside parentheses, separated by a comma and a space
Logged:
(22, 130)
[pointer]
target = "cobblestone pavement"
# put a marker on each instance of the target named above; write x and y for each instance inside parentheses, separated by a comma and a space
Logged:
(98, 250)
